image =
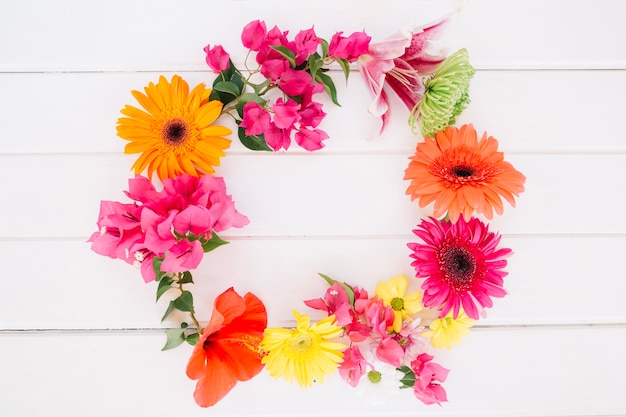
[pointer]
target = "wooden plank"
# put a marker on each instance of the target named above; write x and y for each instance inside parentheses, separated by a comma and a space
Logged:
(45, 118)
(329, 195)
(506, 373)
(156, 35)
(551, 280)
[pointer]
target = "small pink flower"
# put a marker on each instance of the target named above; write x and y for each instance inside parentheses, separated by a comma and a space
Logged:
(354, 365)
(310, 139)
(350, 48)
(183, 256)
(294, 82)
(274, 68)
(119, 229)
(256, 119)
(388, 350)
(285, 113)
(312, 114)
(306, 43)
(273, 38)
(306, 97)
(253, 35)
(428, 376)
(216, 58)
(335, 302)
(277, 138)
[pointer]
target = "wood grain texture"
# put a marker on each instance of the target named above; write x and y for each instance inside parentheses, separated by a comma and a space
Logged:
(80, 334)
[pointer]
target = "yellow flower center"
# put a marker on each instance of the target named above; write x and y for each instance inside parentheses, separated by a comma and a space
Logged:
(300, 343)
(374, 377)
(397, 304)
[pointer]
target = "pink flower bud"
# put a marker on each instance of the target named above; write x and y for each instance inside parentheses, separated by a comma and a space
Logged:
(253, 35)
(216, 58)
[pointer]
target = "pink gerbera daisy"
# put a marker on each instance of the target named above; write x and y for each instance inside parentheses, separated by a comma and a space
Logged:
(461, 264)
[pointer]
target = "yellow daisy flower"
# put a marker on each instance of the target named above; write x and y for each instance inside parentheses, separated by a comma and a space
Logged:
(445, 330)
(306, 353)
(393, 294)
(174, 133)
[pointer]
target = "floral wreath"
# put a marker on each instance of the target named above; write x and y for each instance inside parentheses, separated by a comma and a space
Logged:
(370, 336)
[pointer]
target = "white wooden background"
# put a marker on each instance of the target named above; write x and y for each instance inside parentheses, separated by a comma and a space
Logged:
(80, 334)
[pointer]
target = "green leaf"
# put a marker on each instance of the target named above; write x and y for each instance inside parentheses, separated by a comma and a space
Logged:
(343, 285)
(329, 86)
(408, 380)
(210, 244)
(324, 48)
(170, 307)
(315, 63)
(184, 302)
(174, 338)
(192, 339)
(345, 66)
(156, 265)
(228, 87)
(254, 143)
(164, 284)
(186, 278)
(286, 53)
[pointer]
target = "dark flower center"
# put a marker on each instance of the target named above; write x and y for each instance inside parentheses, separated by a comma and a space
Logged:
(175, 132)
(459, 266)
(463, 171)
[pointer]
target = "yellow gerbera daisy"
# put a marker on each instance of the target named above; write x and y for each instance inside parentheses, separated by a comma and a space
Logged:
(445, 330)
(174, 134)
(393, 294)
(305, 353)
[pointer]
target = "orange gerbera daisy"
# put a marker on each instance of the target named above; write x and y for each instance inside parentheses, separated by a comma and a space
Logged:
(228, 350)
(174, 134)
(462, 174)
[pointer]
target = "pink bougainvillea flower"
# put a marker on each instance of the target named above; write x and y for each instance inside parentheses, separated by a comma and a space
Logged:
(354, 365)
(277, 138)
(311, 115)
(306, 42)
(335, 302)
(119, 228)
(274, 68)
(310, 139)
(165, 224)
(285, 113)
(253, 35)
(400, 62)
(428, 378)
(294, 82)
(216, 58)
(461, 263)
(255, 119)
(228, 350)
(350, 48)
(275, 37)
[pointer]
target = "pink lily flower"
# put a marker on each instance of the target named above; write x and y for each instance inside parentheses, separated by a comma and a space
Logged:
(400, 62)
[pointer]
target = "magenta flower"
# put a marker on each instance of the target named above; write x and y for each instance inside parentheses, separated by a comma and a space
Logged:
(350, 48)
(400, 62)
(273, 38)
(312, 114)
(277, 138)
(335, 302)
(306, 43)
(169, 224)
(285, 113)
(310, 139)
(354, 365)
(274, 68)
(119, 228)
(253, 35)
(295, 82)
(461, 263)
(428, 376)
(216, 58)
(255, 119)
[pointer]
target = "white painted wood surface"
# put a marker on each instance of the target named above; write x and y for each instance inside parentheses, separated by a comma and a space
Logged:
(79, 333)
